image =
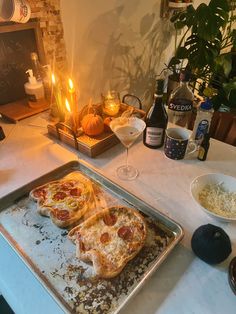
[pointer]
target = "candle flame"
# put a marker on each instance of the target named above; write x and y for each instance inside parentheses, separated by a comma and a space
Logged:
(71, 85)
(67, 106)
(53, 79)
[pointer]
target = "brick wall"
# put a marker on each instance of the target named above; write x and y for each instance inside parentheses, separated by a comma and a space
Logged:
(47, 12)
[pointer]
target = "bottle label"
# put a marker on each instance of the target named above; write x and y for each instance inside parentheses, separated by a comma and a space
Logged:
(180, 107)
(201, 153)
(31, 97)
(202, 129)
(154, 136)
(179, 112)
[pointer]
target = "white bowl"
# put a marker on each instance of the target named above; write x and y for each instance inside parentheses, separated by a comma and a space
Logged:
(197, 185)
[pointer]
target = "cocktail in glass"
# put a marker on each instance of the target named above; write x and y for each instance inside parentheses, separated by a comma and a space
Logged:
(127, 130)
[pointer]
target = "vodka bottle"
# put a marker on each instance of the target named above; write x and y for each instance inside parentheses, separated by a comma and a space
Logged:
(181, 102)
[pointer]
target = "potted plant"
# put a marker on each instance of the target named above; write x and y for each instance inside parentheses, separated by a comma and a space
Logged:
(208, 45)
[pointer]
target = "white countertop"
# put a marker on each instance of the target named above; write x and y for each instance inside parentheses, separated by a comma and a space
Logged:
(183, 284)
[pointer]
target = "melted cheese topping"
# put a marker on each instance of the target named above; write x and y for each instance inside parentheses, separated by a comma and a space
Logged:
(60, 196)
(69, 202)
(216, 199)
(116, 249)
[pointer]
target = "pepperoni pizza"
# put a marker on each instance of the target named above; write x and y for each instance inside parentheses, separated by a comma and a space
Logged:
(109, 239)
(65, 201)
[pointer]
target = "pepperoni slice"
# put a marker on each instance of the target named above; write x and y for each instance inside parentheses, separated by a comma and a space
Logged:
(66, 186)
(105, 238)
(75, 192)
(40, 193)
(109, 219)
(62, 214)
(125, 233)
(59, 196)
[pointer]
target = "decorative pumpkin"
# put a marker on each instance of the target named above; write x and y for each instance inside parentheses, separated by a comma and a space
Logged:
(107, 122)
(211, 244)
(97, 108)
(92, 124)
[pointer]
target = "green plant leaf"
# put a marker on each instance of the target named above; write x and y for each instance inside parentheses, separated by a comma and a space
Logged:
(174, 61)
(201, 52)
(212, 32)
(230, 86)
(224, 64)
(209, 19)
(179, 25)
(182, 53)
(219, 5)
(185, 18)
(219, 100)
(233, 37)
(175, 17)
(226, 95)
(190, 16)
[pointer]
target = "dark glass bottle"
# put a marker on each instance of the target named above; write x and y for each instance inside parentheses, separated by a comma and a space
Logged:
(203, 148)
(156, 120)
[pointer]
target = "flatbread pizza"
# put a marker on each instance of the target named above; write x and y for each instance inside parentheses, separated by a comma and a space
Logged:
(64, 201)
(109, 239)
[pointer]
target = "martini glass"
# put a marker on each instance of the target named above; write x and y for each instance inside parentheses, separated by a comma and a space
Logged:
(127, 130)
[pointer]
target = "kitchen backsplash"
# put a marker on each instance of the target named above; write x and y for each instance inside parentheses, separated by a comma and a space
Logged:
(48, 13)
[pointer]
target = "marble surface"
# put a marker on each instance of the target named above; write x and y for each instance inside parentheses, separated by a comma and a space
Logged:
(183, 283)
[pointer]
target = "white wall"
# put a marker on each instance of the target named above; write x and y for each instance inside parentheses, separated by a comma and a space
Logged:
(116, 44)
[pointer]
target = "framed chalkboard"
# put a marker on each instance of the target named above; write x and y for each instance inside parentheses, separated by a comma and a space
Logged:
(17, 41)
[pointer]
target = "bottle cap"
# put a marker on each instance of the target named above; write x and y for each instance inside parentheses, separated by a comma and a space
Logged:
(160, 87)
(34, 56)
(185, 76)
(206, 105)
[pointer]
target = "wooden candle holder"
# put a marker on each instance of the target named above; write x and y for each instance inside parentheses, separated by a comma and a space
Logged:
(91, 146)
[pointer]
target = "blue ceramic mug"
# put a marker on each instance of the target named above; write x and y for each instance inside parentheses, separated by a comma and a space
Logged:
(177, 143)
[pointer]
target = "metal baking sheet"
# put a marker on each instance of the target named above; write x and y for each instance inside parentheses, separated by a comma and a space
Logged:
(50, 255)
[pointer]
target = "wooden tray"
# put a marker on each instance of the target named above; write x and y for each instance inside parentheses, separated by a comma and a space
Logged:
(91, 146)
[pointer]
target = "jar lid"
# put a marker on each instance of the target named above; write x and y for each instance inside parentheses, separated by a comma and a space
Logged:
(206, 105)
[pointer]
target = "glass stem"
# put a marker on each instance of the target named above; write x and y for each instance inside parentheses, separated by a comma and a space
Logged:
(127, 154)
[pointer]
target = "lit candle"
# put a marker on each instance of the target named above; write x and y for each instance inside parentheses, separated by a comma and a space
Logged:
(74, 106)
(68, 115)
(72, 94)
(111, 103)
(67, 106)
(71, 86)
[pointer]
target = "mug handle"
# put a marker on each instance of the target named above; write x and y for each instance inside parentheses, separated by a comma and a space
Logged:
(194, 147)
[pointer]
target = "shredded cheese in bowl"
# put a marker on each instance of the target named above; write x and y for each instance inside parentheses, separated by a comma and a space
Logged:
(215, 198)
